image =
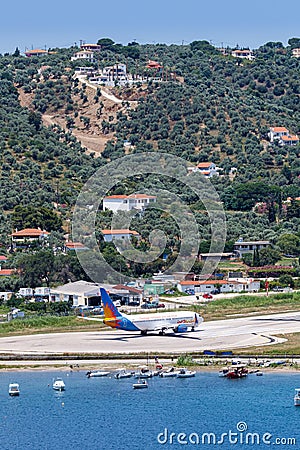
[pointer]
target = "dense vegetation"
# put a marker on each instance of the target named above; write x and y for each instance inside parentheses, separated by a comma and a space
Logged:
(208, 107)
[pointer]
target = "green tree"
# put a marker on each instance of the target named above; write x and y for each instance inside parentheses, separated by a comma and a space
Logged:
(289, 244)
(268, 256)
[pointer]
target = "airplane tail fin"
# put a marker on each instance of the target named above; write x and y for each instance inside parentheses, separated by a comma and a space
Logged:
(110, 310)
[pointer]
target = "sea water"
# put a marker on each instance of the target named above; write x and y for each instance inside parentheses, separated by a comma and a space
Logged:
(104, 413)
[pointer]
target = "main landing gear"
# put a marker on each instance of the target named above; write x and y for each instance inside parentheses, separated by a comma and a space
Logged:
(144, 332)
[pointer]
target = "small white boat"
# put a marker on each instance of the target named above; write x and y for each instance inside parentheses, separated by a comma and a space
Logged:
(223, 372)
(297, 397)
(58, 385)
(184, 373)
(97, 373)
(141, 384)
(169, 373)
(123, 374)
(144, 373)
(14, 389)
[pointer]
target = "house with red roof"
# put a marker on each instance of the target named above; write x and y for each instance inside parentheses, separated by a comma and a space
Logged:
(283, 136)
(36, 52)
(128, 202)
(153, 65)
(289, 140)
(26, 237)
(126, 234)
(208, 169)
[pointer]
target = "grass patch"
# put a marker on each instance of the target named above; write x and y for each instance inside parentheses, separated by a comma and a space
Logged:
(245, 304)
(47, 324)
(289, 348)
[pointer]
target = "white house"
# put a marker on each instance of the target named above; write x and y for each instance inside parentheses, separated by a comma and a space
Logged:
(243, 54)
(241, 247)
(110, 235)
(223, 286)
(83, 54)
(127, 202)
(296, 52)
(276, 133)
(90, 47)
(289, 140)
(208, 169)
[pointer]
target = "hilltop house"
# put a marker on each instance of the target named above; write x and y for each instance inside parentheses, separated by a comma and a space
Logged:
(128, 202)
(90, 47)
(243, 54)
(84, 54)
(110, 235)
(36, 52)
(296, 52)
(28, 236)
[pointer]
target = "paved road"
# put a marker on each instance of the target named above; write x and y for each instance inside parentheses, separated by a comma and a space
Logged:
(221, 334)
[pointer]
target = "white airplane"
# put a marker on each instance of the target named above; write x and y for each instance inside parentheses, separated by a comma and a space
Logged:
(179, 322)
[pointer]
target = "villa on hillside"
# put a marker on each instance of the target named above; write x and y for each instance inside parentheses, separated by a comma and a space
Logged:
(84, 54)
(208, 169)
(128, 202)
(110, 235)
(28, 236)
(283, 136)
(241, 247)
(243, 54)
(36, 52)
(90, 47)
(296, 52)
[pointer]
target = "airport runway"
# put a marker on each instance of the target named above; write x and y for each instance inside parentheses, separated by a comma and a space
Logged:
(221, 334)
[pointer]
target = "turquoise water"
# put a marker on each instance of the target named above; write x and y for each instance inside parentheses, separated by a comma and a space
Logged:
(104, 413)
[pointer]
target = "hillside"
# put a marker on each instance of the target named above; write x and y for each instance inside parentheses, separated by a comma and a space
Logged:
(57, 129)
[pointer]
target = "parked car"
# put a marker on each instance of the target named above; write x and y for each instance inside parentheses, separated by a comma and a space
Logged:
(161, 305)
(134, 303)
(207, 295)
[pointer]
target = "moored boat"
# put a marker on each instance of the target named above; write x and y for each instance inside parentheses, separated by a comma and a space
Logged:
(223, 372)
(185, 373)
(237, 372)
(141, 384)
(123, 374)
(297, 397)
(144, 373)
(97, 373)
(169, 373)
(14, 389)
(58, 385)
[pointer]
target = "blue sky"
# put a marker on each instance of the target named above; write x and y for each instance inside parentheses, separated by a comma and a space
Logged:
(36, 24)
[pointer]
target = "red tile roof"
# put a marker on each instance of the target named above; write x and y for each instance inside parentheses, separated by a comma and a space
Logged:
(290, 138)
(127, 288)
(125, 231)
(204, 165)
(280, 130)
(29, 232)
(74, 245)
(6, 272)
(134, 196)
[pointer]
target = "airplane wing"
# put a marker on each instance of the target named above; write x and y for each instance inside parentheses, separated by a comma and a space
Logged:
(91, 318)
